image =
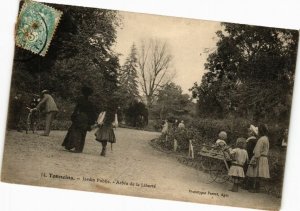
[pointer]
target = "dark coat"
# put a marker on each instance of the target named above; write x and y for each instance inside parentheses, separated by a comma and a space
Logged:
(83, 117)
(15, 112)
(251, 142)
(84, 114)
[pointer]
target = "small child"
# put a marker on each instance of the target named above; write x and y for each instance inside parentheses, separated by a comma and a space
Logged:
(239, 156)
(105, 132)
(221, 141)
(165, 127)
(33, 116)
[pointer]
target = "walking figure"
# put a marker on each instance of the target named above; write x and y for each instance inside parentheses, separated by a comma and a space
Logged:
(105, 132)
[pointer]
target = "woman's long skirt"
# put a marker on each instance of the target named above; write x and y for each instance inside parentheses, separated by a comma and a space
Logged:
(261, 169)
(75, 137)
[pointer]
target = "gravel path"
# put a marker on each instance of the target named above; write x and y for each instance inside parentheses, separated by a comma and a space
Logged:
(132, 168)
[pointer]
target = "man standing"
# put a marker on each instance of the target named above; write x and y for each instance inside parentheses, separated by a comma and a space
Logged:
(50, 109)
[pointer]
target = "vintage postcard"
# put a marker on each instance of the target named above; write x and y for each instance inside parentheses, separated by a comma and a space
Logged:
(150, 106)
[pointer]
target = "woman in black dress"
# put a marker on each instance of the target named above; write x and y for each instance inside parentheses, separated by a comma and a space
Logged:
(252, 139)
(83, 117)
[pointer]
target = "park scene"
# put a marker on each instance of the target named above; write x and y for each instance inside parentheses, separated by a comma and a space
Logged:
(153, 106)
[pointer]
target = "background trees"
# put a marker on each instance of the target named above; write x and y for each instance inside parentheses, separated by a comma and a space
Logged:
(80, 54)
(136, 114)
(128, 77)
(131, 109)
(250, 74)
(171, 102)
(154, 59)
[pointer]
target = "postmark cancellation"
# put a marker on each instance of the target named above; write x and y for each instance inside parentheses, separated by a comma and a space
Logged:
(36, 26)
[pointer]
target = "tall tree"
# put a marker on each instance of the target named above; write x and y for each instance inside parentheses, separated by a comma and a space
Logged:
(154, 70)
(250, 74)
(128, 78)
(128, 90)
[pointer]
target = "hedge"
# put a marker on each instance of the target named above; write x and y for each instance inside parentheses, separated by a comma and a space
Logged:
(205, 131)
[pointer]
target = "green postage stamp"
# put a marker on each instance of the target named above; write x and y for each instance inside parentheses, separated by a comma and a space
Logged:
(36, 26)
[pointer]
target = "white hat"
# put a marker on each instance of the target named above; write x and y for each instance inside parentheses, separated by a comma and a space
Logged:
(254, 129)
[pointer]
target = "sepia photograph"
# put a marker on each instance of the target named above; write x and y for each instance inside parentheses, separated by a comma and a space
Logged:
(149, 106)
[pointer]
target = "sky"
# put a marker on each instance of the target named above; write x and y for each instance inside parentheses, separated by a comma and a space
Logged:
(188, 39)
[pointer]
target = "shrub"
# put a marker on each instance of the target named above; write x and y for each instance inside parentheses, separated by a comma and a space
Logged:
(205, 131)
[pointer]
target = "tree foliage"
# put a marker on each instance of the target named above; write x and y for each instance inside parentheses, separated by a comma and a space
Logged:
(250, 74)
(136, 114)
(80, 54)
(128, 78)
(171, 102)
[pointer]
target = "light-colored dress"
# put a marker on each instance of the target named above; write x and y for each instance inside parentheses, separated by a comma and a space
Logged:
(105, 132)
(260, 159)
(240, 158)
(165, 128)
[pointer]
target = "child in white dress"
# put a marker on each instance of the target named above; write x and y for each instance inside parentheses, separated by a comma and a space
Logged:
(221, 142)
(239, 156)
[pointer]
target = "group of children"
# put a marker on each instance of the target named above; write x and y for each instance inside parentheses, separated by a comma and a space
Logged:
(175, 125)
(249, 158)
